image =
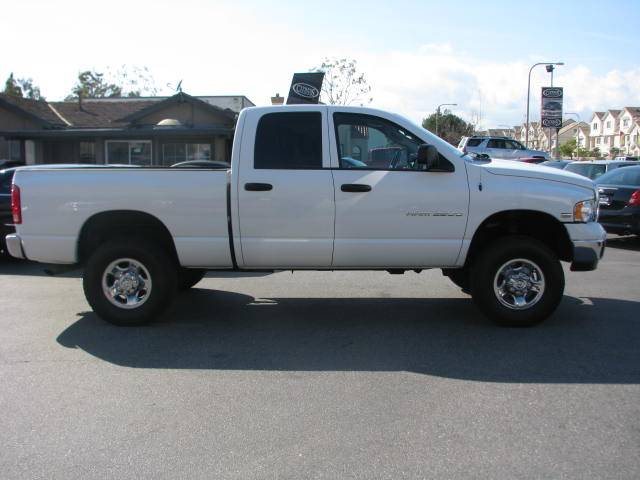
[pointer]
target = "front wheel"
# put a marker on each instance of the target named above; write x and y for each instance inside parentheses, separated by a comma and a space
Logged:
(129, 282)
(517, 281)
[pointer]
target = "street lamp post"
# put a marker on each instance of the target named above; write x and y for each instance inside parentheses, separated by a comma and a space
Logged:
(438, 112)
(526, 134)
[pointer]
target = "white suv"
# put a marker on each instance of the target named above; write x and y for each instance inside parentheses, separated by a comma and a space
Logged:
(499, 147)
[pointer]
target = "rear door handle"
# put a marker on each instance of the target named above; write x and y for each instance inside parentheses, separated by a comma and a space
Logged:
(258, 187)
(355, 187)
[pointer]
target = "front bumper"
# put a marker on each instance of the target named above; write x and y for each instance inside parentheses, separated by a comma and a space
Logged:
(14, 246)
(589, 241)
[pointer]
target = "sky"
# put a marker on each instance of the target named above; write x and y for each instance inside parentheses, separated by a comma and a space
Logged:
(414, 54)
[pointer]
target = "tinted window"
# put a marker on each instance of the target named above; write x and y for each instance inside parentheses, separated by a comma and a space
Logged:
(474, 142)
(5, 181)
(496, 144)
(621, 176)
(382, 145)
(590, 170)
(289, 140)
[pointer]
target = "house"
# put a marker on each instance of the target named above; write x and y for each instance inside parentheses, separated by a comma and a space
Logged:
(143, 131)
(596, 139)
(628, 119)
(632, 147)
(581, 135)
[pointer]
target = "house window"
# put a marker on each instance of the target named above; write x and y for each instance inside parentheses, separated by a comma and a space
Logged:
(136, 152)
(87, 152)
(609, 124)
(15, 152)
(598, 141)
(181, 152)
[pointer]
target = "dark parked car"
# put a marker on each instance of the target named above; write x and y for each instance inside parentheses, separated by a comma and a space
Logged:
(560, 164)
(6, 220)
(619, 192)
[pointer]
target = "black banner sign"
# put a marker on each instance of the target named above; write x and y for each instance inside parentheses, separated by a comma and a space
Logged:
(551, 107)
(305, 88)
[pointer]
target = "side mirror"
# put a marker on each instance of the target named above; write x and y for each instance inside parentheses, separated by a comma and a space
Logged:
(428, 156)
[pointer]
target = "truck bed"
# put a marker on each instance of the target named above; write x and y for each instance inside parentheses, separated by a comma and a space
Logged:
(191, 203)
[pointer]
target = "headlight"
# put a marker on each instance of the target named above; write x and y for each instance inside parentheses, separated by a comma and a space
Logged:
(585, 211)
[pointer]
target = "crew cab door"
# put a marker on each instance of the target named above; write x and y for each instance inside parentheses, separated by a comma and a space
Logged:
(390, 212)
(285, 189)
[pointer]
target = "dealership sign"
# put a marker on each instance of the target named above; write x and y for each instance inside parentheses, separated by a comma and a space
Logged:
(305, 88)
(551, 107)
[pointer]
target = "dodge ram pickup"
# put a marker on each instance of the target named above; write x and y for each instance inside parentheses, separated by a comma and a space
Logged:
(314, 187)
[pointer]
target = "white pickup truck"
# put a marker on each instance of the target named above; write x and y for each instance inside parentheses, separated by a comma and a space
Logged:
(314, 188)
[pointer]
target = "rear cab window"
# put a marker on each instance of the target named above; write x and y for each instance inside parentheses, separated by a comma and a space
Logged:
(289, 140)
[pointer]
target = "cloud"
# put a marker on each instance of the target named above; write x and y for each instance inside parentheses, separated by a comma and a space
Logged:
(415, 82)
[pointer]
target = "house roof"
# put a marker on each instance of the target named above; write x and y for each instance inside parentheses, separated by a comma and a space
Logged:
(600, 115)
(634, 111)
(95, 113)
(38, 111)
(178, 98)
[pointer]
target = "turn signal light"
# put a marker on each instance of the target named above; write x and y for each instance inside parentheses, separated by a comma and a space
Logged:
(16, 207)
(634, 201)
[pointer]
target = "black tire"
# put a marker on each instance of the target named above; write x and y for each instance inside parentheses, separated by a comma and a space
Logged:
(189, 277)
(160, 267)
(460, 277)
(484, 274)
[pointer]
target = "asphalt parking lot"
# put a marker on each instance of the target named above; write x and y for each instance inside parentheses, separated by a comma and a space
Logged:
(322, 375)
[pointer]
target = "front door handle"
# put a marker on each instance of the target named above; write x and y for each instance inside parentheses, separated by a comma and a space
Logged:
(355, 187)
(258, 187)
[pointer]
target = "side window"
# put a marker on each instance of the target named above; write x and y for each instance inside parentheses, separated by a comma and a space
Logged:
(474, 142)
(495, 143)
(378, 143)
(512, 145)
(5, 182)
(289, 140)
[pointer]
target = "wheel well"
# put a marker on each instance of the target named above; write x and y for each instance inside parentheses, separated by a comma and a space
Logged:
(541, 226)
(107, 225)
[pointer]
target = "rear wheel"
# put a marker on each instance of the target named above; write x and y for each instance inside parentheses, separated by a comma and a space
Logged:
(129, 282)
(189, 277)
(517, 281)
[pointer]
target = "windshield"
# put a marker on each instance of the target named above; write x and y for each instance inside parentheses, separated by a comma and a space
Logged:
(590, 170)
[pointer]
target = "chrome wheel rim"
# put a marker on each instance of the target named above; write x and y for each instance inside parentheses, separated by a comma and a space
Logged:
(126, 283)
(519, 284)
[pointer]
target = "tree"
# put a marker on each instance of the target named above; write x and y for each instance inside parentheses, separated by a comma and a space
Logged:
(568, 147)
(343, 84)
(614, 152)
(22, 88)
(91, 84)
(133, 81)
(123, 81)
(450, 127)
